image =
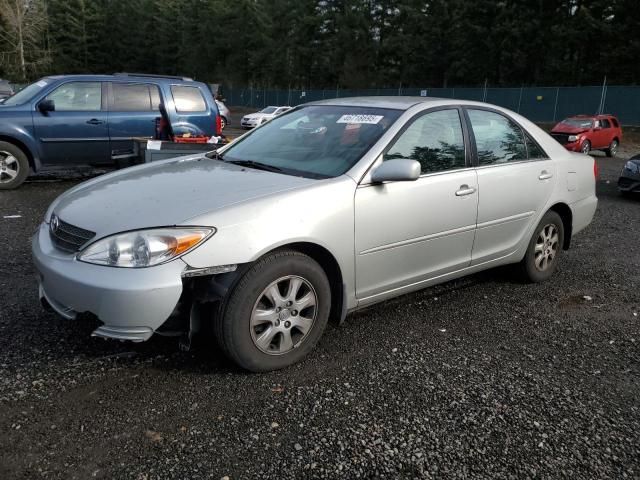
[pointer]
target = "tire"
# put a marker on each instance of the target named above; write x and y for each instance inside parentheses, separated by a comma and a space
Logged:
(279, 335)
(585, 147)
(549, 238)
(613, 148)
(223, 122)
(14, 166)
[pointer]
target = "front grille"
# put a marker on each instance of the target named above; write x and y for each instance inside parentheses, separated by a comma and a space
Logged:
(562, 138)
(68, 237)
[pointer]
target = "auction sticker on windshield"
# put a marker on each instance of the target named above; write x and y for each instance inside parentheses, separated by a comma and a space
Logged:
(371, 119)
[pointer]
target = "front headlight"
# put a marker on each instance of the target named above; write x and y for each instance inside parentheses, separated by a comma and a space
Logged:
(573, 138)
(144, 248)
(633, 167)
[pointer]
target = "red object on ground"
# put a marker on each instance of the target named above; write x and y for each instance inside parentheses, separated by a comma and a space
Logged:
(194, 139)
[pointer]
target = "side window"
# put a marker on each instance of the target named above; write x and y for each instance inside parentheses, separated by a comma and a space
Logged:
(533, 149)
(605, 123)
(435, 140)
(188, 99)
(498, 139)
(615, 122)
(131, 97)
(77, 97)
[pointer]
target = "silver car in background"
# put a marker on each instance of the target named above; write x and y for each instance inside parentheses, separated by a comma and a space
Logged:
(225, 113)
(253, 120)
(331, 207)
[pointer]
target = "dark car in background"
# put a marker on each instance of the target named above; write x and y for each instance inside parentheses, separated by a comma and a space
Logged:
(629, 181)
(583, 133)
(93, 119)
(6, 90)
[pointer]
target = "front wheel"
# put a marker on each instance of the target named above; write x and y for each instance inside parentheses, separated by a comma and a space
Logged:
(277, 312)
(585, 147)
(14, 166)
(544, 249)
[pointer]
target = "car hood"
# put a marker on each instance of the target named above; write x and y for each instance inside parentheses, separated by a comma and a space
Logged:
(564, 128)
(165, 193)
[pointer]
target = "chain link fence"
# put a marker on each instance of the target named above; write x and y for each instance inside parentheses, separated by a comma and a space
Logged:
(539, 104)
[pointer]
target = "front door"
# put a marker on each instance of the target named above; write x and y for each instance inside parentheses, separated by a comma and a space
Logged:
(407, 232)
(515, 180)
(76, 132)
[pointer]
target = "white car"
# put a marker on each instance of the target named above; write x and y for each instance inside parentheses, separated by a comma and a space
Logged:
(256, 119)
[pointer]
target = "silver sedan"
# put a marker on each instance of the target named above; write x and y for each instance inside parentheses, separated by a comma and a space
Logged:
(331, 207)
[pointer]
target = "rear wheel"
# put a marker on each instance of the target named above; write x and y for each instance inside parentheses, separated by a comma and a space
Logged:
(585, 147)
(223, 122)
(544, 249)
(613, 148)
(277, 312)
(14, 166)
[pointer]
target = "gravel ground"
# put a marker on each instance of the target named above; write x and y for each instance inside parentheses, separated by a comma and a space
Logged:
(483, 377)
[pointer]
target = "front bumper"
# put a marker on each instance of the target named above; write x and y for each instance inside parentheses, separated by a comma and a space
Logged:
(131, 302)
(629, 183)
(249, 123)
(573, 146)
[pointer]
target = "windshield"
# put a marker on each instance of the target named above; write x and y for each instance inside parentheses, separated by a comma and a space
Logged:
(27, 93)
(578, 122)
(269, 110)
(315, 141)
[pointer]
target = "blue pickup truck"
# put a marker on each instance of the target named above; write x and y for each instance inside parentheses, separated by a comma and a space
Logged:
(92, 119)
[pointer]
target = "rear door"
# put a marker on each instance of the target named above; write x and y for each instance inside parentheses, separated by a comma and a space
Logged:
(133, 109)
(76, 132)
(605, 134)
(515, 181)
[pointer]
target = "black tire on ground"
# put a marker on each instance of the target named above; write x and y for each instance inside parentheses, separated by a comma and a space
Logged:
(585, 147)
(19, 168)
(532, 263)
(613, 148)
(232, 326)
(223, 122)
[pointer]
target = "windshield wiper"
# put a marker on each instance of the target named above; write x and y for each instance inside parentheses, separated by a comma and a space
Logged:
(256, 165)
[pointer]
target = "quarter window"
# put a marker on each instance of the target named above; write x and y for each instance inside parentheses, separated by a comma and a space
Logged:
(498, 139)
(132, 97)
(435, 140)
(188, 99)
(77, 97)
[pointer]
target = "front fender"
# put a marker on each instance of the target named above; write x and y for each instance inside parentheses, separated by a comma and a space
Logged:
(22, 137)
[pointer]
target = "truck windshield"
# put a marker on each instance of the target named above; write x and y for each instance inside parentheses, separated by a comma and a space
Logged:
(27, 93)
(317, 141)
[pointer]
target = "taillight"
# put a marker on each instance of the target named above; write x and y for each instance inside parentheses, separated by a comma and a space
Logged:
(596, 172)
(218, 125)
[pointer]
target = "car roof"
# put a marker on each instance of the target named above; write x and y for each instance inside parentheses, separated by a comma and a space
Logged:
(124, 77)
(397, 103)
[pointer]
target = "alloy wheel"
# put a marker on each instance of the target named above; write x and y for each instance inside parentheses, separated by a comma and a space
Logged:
(283, 315)
(547, 246)
(9, 167)
(613, 148)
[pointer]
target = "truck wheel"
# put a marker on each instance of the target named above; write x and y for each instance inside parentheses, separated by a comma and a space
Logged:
(613, 148)
(544, 249)
(276, 314)
(14, 166)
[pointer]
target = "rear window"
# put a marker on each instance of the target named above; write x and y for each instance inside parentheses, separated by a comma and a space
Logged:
(132, 97)
(188, 99)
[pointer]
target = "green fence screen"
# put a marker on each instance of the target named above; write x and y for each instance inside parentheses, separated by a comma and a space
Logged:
(539, 104)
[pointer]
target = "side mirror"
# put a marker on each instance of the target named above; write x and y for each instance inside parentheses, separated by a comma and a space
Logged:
(396, 170)
(46, 106)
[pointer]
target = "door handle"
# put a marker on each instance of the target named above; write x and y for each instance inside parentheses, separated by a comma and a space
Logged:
(465, 190)
(95, 121)
(544, 175)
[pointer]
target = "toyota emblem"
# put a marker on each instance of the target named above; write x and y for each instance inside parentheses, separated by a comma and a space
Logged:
(55, 223)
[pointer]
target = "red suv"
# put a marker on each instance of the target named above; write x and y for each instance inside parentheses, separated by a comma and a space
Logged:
(584, 133)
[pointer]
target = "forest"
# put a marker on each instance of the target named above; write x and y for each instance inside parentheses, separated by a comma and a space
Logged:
(328, 43)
